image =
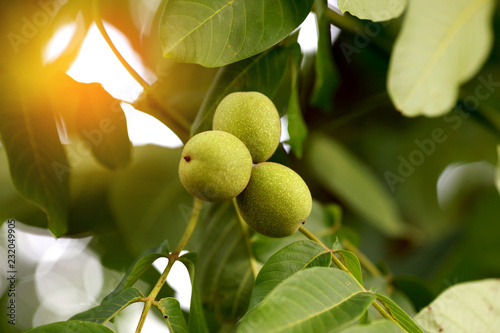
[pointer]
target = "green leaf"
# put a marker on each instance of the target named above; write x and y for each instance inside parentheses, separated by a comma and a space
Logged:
(93, 119)
(317, 299)
(466, 307)
(432, 58)
(224, 270)
(343, 174)
(296, 124)
(327, 78)
(286, 262)
(215, 33)
(37, 161)
(110, 307)
(89, 185)
(379, 326)
(148, 200)
(352, 263)
(497, 180)
(381, 285)
(197, 322)
(267, 73)
(12, 205)
(140, 266)
(375, 10)
(172, 313)
(399, 315)
(73, 326)
(100, 122)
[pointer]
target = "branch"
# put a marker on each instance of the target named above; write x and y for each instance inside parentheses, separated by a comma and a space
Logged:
(104, 33)
(150, 300)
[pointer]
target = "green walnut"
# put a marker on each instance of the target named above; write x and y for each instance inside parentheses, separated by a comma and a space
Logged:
(276, 200)
(253, 118)
(215, 166)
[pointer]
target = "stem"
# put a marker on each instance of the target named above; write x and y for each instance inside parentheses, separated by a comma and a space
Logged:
(364, 260)
(343, 22)
(153, 294)
(102, 30)
(340, 265)
(246, 235)
(311, 236)
(356, 27)
(195, 214)
(171, 118)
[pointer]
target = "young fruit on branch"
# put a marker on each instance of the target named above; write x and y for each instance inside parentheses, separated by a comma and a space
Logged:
(276, 200)
(253, 118)
(215, 166)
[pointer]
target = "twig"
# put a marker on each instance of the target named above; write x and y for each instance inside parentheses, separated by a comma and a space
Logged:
(195, 214)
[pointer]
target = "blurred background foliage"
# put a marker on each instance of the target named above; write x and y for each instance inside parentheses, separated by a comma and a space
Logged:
(435, 226)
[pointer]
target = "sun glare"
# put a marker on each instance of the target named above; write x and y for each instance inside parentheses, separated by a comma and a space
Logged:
(59, 42)
(97, 63)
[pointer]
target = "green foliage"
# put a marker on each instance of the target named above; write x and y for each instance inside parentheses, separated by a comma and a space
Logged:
(326, 73)
(71, 326)
(297, 128)
(37, 162)
(172, 313)
(286, 262)
(176, 96)
(197, 322)
(401, 317)
(224, 269)
(342, 174)
(266, 72)
(110, 306)
(298, 304)
(465, 307)
(380, 326)
(429, 61)
(101, 120)
(417, 290)
(139, 267)
(352, 264)
(498, 174)
(12, 204)
(375, 10)
(216, 33)
(402, 205)
(148, 193)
